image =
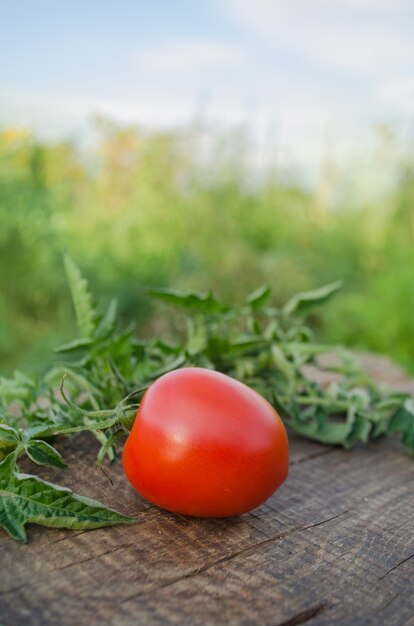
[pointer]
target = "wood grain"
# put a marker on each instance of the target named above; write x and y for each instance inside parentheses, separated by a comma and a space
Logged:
(335, 545)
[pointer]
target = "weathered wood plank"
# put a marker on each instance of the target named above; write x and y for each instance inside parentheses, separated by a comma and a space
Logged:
(335, 545)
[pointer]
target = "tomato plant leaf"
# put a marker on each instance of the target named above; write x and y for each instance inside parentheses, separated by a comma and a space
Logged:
(81, 297)
(73, 346)
(193, 302)
(258, 298)
(25, 498)
(303, 302)
(43, 453)
(107, 324)
(403, 422)
(8, 434)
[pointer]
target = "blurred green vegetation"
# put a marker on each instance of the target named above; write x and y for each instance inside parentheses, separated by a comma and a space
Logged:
(140, 209)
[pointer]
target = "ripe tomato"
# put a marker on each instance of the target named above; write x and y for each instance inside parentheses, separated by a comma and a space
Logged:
(204, 444)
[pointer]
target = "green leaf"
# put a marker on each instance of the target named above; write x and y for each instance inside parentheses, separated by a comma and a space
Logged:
(245, 343)
(8, 434)
(284, 365)
(43, 453)
(197, 339)
(82, 299)
(180, 361)
(305, 301)
(259, 297)
(73, 346)
(25, 498)
(332, 434)
(166, 348)
(403, 422)
(107, 324)
(360, 427)
(193, 302)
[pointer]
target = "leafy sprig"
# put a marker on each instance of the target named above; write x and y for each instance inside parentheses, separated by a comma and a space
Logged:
(106, 371)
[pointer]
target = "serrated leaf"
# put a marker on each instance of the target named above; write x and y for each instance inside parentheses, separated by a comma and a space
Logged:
(81, 297)
(193, 302)
(259, 297)
(8, 434)
(25, 498)
(107, 324)
(43, 453)
(305, 301)
(73, 346)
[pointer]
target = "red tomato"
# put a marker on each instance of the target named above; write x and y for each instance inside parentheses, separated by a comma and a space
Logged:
(204, 444)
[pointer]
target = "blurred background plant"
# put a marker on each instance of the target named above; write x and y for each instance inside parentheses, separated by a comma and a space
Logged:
(158, 208)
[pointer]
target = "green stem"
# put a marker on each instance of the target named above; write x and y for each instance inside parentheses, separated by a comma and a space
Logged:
(95, 414)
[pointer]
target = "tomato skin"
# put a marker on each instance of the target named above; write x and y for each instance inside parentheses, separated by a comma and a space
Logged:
(206, 445)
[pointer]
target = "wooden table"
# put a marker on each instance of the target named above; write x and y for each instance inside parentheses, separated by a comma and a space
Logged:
(333, 546)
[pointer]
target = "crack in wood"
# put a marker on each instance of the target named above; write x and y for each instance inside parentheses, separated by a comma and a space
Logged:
(395, 566)
(81, 532)
(229, 557)
(90, 558)
(251, 525)
(394, 597)
(304, 616)
(314, 455)
(63, 567)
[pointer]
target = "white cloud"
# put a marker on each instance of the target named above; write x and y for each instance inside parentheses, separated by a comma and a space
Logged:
(400, 93)
(361, 50)
(358, 36)
(188, 56)
(378, 5)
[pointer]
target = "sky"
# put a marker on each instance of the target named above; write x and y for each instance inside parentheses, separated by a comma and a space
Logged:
(306, 74)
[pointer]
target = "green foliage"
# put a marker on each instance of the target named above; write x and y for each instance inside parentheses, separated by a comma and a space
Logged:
(144, 208)
(105, 377)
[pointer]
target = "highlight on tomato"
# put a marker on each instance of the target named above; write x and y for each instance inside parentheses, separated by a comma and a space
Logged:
(206, 445)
